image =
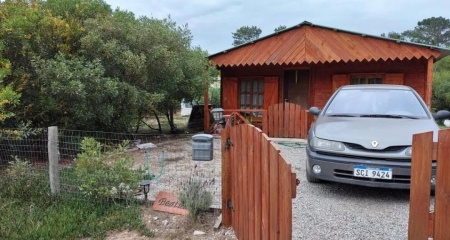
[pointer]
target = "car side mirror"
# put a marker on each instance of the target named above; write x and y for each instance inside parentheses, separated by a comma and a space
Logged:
(314, 111)
(442, 114)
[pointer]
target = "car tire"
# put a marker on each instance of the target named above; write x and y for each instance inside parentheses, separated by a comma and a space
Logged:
(312, 179)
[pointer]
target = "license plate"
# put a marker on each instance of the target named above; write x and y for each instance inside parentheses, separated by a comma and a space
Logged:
(372, 172)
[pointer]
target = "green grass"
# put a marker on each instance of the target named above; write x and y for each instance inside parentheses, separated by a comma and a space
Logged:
(67, 217)
(28, 211)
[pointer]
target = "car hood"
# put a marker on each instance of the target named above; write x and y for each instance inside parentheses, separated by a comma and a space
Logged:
(363, 131)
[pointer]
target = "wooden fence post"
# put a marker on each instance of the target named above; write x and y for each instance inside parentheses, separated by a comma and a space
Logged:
(422, 153)
(442, 191)
(226, 176)
(53, 158)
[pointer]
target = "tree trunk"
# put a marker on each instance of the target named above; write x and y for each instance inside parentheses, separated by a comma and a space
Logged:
(159, 123)
(173, 127)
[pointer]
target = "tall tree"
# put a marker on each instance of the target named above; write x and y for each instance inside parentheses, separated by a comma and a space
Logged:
(245, 34)
(441, 85)
(393, 35)
(8, 97)
(280, 28)
(78, 64)
(433, 31)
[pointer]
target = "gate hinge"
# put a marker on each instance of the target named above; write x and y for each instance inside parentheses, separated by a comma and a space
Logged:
(228, 143)
(230, 205)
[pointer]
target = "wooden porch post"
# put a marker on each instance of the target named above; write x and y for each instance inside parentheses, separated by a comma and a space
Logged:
(428, 82)
(206, 108)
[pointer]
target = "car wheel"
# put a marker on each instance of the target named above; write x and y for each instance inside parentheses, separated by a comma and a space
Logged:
(311, 179)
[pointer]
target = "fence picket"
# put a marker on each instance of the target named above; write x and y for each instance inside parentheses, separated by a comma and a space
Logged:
(261, 185)
(286, 120)
(420, 179)
(424, 224)
(442, 193)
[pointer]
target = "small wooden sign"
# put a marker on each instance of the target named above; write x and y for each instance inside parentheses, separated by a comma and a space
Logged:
(168, 202)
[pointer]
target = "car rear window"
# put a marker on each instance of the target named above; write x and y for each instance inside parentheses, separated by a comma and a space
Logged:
(357, 102)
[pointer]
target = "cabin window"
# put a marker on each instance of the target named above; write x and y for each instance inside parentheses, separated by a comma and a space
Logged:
(251, 92)
(366, 79)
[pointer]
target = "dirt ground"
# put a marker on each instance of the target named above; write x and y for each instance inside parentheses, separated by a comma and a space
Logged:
(171, 162)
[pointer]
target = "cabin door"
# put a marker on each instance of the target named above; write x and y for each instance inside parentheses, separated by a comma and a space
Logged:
(296, 87)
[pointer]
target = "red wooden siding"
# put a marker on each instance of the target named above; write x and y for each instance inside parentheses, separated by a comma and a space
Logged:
(315, 44)
(260, 184)
(340, 80)
(394, 78)
(229, 93)
(286, 120)
(270, 91)
(424, 224)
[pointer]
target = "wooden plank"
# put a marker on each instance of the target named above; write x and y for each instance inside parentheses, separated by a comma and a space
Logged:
(285, 200)
(294, 185)
(265, 120)
(271, 121)
(431, 224)
(240, 162)
(250, 176)
(422, 151)
(265, 190)
(243, 198)
(236, 189)
(442, 192)
(286, 118)
(297, 122)
(280, 115)
(258, 182)
(428, 82)
(226, 177)
(273, 200)
(303, 124)
(276, 119)
(292, 108)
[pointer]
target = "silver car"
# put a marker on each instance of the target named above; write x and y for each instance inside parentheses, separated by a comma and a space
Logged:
(363, 135)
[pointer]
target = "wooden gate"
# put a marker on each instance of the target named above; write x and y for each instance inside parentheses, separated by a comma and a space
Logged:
(424, 223)
(257, 185)
(286, 120)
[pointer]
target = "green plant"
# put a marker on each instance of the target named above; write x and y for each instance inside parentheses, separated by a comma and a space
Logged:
(20, 181)
(66, 217)
(106, 174)
(195, 198)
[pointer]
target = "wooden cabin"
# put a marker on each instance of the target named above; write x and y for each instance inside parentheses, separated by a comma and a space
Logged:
(306, 63)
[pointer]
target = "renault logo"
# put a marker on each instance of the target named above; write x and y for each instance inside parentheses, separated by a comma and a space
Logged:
(374, 144)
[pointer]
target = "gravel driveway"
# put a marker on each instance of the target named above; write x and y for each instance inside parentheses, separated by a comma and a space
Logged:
(339, 211)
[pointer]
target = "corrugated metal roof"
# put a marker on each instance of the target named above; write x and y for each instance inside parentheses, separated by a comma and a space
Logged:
(312, 44)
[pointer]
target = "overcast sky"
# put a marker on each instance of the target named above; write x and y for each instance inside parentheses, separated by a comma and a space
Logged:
(212, 22)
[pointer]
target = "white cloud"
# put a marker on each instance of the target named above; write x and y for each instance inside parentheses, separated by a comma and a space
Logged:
(212, 21)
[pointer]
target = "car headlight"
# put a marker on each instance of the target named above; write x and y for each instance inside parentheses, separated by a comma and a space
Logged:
(408, 151)
(318, 143)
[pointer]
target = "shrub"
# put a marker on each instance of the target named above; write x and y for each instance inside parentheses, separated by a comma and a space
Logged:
(106, 174)
(195, 198)
(20, 181)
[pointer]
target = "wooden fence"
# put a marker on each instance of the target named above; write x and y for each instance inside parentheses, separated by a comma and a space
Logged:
(257, 184)
(423, 223)
(286, 120)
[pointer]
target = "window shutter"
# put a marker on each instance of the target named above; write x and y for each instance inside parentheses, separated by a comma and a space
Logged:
(340, 80)
(229, 93)
(394, 78)
(270, 91)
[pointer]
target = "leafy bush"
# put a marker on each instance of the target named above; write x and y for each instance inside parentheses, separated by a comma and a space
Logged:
(20, 181)
(106, 174)
(195, 198)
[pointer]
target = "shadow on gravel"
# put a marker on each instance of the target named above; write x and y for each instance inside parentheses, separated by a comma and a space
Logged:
(361, 192)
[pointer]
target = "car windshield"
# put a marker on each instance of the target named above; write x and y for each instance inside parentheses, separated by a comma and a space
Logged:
(386, 103)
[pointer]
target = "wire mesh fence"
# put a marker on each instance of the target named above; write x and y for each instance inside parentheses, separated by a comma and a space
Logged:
(165, 160)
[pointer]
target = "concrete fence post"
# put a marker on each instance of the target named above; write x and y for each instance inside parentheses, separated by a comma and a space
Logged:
(53, 158)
